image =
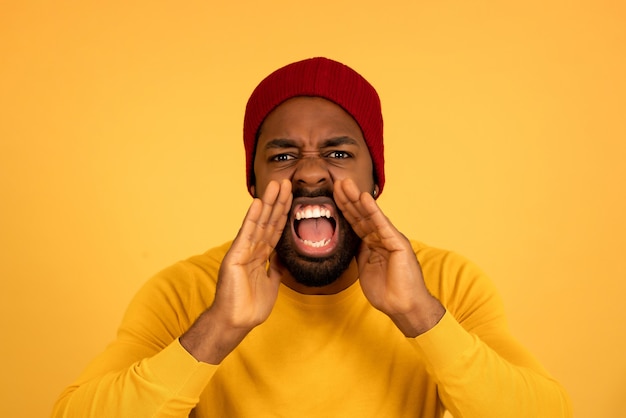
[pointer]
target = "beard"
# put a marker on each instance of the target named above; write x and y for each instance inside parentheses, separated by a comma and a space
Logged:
(318, 271)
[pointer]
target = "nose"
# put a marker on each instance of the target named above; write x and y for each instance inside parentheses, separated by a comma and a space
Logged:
(311, 171)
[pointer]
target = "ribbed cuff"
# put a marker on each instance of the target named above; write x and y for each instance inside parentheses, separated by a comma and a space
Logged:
(443, 344)
(180, 371)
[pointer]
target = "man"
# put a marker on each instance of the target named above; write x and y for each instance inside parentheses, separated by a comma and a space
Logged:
(320, 306)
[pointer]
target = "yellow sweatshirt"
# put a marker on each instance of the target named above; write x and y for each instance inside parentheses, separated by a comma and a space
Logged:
(318, 356)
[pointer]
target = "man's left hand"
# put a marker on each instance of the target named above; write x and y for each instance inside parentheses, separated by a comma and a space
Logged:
(389, 272)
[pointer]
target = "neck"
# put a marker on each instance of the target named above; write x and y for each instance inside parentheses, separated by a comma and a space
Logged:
(344, 281)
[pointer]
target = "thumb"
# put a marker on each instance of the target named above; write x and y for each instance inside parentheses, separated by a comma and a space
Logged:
(275, 269)
(363, 256)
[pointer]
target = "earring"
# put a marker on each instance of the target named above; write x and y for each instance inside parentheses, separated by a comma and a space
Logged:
(374, 193)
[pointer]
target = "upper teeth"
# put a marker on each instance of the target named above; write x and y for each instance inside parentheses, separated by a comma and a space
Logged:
(312, 212)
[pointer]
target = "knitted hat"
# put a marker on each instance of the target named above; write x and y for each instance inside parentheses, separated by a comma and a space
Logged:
(319, 77)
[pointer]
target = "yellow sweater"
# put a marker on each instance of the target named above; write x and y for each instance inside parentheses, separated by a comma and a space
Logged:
(318, 356)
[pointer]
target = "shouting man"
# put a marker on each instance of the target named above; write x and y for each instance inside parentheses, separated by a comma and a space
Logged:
(319, 307)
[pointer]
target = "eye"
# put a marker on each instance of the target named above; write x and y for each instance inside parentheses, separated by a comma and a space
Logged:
(339, 155)
(282, 157)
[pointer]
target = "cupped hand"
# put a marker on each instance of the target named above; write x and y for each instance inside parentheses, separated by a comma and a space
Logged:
(247, 288)
(247, 285)
(389, 272)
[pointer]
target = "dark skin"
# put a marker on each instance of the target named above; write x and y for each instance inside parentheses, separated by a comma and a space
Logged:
(298, 146)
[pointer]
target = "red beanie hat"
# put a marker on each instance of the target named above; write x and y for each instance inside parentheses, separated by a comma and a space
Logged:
(318, 77)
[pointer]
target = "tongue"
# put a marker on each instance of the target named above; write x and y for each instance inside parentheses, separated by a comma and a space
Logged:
(315, 230)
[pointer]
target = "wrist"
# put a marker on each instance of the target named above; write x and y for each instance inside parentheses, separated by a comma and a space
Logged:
(420, 320)
(210, 339)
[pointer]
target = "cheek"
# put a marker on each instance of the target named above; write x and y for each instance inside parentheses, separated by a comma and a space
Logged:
(362, 174)
(262, 177)
(265, 172)
(368, 176)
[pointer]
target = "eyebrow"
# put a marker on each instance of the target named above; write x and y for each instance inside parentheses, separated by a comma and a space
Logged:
(290, 143)
(280, 143)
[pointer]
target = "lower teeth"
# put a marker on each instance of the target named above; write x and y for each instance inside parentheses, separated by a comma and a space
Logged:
(317, 244)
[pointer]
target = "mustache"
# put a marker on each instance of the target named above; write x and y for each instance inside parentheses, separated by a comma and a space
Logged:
(319, 192)
(302, 192)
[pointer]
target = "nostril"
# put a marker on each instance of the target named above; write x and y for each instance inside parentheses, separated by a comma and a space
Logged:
(311, 171)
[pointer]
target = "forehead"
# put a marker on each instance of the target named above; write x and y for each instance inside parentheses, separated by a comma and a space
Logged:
(309, 117)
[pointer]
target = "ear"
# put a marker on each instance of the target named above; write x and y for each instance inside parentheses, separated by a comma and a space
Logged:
(252, 190)
(375, 191)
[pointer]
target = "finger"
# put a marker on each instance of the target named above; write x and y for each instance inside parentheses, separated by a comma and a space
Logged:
(275, 268)
(262, 226)
(278, 215)
(246, 236)
(353, 204)
(240, 251)
(255, 220)
(341, 193)
(364, 215)
(276, 203)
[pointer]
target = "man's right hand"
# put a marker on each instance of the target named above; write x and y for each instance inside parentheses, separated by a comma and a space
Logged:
(247, 288)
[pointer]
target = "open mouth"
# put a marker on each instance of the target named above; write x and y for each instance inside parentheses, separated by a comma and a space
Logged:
(314, 227)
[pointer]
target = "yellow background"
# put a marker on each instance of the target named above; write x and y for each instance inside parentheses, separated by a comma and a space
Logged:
(121, 152)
